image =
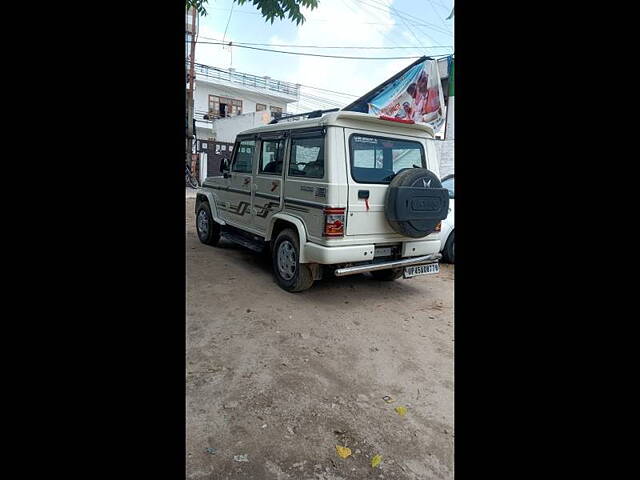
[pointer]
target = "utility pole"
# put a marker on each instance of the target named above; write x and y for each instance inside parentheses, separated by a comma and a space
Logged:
(190, 132)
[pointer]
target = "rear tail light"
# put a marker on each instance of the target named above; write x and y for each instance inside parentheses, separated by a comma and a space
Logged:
(394, 119)
(438, 227)
(333, 222)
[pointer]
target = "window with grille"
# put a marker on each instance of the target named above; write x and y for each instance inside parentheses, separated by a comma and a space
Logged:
(260, 107)
(231, 106)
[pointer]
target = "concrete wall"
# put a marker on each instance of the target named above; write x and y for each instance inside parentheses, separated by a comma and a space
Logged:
(226, 129)
(249, 99)
(446, 152)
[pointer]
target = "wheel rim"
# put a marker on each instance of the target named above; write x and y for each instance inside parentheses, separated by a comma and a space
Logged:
(287, 260)
(203, 223)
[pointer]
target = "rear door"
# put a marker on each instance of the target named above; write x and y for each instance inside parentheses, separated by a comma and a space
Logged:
(267, 197)
(373, 160)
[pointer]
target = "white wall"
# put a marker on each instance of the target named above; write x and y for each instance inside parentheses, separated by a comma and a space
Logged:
(446, 152)
(226, 129)
(249, 99)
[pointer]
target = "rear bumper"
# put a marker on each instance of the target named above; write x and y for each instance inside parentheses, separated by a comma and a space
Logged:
(314, 253)
(405, 262)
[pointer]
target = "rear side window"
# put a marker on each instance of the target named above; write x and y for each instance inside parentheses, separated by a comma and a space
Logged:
(307, 157)
(378, 159)
(271, 157)
(244, 157)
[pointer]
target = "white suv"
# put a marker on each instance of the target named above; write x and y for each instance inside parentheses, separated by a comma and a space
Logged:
(339, 193)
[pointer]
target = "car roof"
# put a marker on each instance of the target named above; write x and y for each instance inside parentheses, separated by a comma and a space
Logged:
(347, 119)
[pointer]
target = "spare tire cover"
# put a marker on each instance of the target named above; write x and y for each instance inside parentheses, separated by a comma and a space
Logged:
(416, 202)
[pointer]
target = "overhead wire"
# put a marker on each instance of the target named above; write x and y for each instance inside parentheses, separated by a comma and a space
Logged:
(408, 19)
(228, 20)
(388, 8)
(384, 34)
(316, 100)
(235, 42)
(436, 10)
(311, 54)
(222, 70)
(399, 13)
(238, 11)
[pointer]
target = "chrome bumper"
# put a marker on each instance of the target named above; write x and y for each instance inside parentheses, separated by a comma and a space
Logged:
(405, 262)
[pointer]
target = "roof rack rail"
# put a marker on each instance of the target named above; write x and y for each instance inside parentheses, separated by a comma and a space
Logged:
(313, 114)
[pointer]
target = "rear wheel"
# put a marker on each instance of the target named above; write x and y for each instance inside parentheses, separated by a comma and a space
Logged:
(387, 275)
(289, 273)
(208, 230)
(447, 251)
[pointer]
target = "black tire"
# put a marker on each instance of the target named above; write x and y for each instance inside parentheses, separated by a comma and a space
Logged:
(417, 214)
(208, 230)
(301, 277)
(448, 250)
(387, 275)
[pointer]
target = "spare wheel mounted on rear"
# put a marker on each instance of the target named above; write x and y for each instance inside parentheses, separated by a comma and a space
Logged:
(416, 202)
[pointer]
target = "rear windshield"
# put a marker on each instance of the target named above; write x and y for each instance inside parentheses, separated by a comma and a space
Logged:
(378, 159)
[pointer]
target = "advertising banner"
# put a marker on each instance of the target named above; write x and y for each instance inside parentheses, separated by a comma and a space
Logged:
(416, 95)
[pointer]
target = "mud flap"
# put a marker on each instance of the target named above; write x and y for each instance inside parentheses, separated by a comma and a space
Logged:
(316, 270)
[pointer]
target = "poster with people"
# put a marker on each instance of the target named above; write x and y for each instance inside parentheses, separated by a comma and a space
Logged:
(417, 96)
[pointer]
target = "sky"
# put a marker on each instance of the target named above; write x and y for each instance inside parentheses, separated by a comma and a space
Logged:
(370, 23)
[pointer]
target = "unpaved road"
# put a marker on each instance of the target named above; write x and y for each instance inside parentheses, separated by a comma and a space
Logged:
(283, 378)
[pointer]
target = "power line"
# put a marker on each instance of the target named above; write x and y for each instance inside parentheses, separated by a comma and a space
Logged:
(411, 31)
(235, 42)
(221, 70)
(436, 10)
(231, 44)
(407, 19)
(319, 20)
(376, 15)
(228, 20)
(403, 15)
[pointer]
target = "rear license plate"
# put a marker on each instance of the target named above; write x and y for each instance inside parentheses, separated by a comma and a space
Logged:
(415, 270)
(382, 252)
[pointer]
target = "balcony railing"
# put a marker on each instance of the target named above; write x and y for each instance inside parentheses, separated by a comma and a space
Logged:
(201, 116)
(247, 80)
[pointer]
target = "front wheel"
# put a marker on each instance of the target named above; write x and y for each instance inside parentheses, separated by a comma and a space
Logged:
(208, 230)
(289, 273)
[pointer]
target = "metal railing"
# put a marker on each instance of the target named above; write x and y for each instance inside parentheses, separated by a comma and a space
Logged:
(247, 80)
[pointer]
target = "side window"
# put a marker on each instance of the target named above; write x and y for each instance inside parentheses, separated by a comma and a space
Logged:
(307, 157)
(243, 162)
(368, 158)
(378, 159)
(271, 157)
(406, 158)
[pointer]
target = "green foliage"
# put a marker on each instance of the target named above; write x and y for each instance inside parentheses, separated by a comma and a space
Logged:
(270, 9)
(198, 5)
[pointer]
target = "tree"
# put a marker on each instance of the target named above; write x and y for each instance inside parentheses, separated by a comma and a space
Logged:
(270, 9)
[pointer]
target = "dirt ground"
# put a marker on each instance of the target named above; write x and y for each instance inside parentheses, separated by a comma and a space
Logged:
(276, 380)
